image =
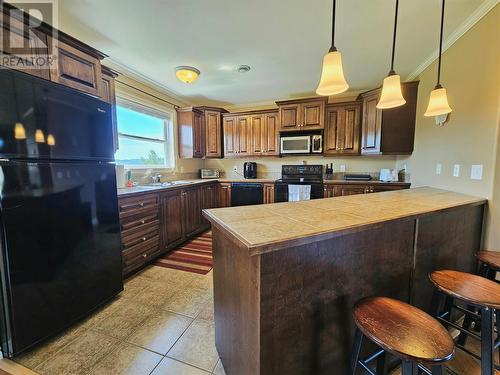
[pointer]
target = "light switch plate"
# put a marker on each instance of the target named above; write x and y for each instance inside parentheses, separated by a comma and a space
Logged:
(343, 168)
(439, 168)
(456, 170)
(476, 172)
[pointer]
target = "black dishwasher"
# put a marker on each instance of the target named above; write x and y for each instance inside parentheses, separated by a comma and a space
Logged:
(246, 194)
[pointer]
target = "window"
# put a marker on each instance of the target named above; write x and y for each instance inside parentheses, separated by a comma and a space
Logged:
(144, 137)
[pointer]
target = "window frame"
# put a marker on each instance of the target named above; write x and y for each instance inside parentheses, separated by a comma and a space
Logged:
(168, 142)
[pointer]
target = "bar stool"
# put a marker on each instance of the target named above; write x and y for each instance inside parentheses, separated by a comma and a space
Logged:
(475, 291)
(410, 334)
(490, 263)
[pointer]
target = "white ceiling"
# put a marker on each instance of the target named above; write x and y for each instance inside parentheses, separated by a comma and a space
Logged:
(282, 40)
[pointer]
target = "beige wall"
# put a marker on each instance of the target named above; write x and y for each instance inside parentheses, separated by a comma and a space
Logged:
(270, 167)
(471, 74)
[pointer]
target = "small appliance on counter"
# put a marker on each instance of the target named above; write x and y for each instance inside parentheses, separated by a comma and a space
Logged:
(250, 170)
(388, 175)
(209, 173)
(329, 172)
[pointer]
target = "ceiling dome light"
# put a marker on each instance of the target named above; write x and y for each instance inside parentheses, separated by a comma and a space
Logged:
(392, 96)
(187, 74)
(332, 79)
(438, 101)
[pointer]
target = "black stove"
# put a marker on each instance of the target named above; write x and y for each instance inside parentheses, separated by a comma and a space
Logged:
(300, 175)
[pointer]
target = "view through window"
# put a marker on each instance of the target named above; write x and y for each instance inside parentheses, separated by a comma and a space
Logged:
(143, 139)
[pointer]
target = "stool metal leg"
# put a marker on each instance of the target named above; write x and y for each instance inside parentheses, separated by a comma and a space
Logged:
(462, 338)
(487, 341)
(435, 303)
(381, 364)
(437, 370)
(356, 349)
(409, 368)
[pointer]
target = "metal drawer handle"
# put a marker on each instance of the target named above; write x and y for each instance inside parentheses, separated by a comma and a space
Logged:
(141, 204)
(144, 256)
(144, 238)
(143, 221)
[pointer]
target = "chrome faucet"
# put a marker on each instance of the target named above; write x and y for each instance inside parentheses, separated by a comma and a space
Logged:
(156, 178)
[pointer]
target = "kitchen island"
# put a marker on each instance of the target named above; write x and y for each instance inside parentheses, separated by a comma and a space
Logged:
(286, 275)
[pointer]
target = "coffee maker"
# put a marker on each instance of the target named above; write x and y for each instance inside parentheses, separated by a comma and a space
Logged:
(250, 170)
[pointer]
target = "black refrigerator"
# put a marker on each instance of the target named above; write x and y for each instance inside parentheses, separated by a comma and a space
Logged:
(60, 240)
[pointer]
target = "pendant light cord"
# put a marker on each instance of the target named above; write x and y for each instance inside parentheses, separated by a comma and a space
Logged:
(440, 45)
(333, 48)
(394, 38)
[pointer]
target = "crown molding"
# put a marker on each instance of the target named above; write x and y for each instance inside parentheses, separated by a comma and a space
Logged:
(457, 34)
(133, 74)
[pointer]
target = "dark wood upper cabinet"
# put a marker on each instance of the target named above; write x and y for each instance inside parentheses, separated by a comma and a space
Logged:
(302, 114)
(258, 141)
(270, 133)
(231, 143)
(191, 133)
(389, 131)
(200, 132)
(109, 96)
(343, 129)
(244, 136)
(213, 134)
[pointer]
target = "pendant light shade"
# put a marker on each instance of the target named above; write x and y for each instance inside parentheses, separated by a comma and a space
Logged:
(391, 93)
(332, 76)
(332, 80)
(392, 96)
(438, 101)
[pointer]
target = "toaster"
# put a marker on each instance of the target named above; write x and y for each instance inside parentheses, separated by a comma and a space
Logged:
(387, 175)
(209, 173)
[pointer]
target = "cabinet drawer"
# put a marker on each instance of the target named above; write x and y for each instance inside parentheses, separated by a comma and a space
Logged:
(142, 205)
(134, 224)
(144, 248)
(140, 236)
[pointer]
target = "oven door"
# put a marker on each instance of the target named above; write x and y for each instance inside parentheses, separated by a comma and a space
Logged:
(296, 145)
(282, 190)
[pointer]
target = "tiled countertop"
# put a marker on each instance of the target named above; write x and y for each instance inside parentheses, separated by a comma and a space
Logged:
(272, 227)
(142, 189)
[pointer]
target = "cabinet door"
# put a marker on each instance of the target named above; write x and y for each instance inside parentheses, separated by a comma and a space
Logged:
(244, 136)
(333, 121)
(108, 95)
(208, 200)
(343, 190)
(231, 145)
(268, 193)
(213, 134)
(171, 220)
(77, 70)
(371, 125)
(22, 46)
(328, 191)
(198, 136)
(350, 130)
(313, 114)
(270, 134)
(258, 131)
(191, 211)
(224, 195)
(289, 116)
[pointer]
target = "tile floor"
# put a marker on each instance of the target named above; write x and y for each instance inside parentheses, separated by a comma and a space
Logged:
(161, 324)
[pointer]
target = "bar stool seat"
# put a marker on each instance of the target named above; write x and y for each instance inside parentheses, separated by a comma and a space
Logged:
(468, 287)
(491, 258)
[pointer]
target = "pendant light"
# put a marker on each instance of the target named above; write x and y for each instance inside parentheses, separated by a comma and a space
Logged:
(438, 101)
(392, 96)
(332, 80)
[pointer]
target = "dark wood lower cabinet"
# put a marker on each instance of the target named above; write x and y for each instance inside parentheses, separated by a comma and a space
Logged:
(191, 211)
(224, 195)
(171, 218)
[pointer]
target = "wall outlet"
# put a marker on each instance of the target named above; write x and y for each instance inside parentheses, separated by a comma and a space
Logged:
(343, 168)
(476, 172)
(439, 168)
(456, 170)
